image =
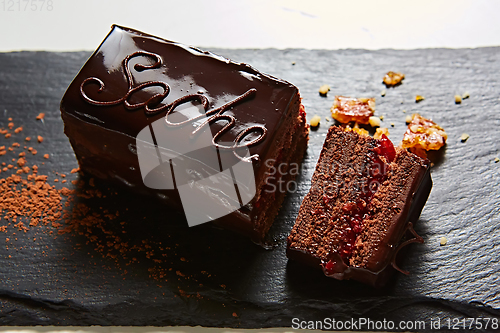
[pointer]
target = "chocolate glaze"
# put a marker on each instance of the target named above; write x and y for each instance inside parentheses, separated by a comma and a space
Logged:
(134, 79)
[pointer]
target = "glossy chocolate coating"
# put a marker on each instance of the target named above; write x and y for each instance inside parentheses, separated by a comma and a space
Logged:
(134, 79)
(187, 71)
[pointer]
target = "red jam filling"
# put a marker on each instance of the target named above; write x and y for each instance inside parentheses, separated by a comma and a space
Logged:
(386, 148)
(354, 213)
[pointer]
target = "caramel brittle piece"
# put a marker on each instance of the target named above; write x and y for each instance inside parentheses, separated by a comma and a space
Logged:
(392, 79)
(347, 109)
(424, 133)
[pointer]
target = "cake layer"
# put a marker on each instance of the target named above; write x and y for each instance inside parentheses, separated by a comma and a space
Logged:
(364, 194)
(158, 117)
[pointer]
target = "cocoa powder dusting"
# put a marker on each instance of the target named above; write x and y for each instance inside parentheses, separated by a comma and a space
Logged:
(30, 200)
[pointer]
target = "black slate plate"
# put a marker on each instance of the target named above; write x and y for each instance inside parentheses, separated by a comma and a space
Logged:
(212, 277)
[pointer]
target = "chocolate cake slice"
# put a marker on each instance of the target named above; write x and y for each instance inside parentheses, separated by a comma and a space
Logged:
(364, 198)
(194, 129)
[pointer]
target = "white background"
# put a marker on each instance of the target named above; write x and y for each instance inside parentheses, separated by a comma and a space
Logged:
(81, 25)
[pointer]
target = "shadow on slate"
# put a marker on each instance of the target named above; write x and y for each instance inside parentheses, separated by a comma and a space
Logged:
(211, 277)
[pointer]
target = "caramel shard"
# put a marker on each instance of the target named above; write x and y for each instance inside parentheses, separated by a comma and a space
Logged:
(392, 79)
(424, 133)
(347, 109)
(419, 98)
(40, 116)
(40, 139)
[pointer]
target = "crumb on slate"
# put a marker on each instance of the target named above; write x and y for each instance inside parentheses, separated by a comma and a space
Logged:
(324, 89)
(314, 122)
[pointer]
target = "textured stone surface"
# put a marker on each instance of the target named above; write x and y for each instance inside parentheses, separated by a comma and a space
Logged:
(73, 284)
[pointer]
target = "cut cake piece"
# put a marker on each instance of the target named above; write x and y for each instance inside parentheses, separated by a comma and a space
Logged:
(365, 196)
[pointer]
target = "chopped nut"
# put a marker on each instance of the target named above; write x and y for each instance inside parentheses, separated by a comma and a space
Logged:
(381, 117)
(327, 119)
(392, 79)
(404, 111)
(374, 121)
(40, 139)
(46, 156)
(464, 137)
(314, 122)
(357, 129)
(424, 133)
(496, 160)
(324, 89)
(419, 98)
(465, 95)
(458, 99)
(392, 124)
(380, 131)
(383, 92)
(347, 109)
(443, 241)
(408, 119)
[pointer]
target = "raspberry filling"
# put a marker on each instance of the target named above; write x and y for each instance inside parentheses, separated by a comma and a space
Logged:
(354, 213)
